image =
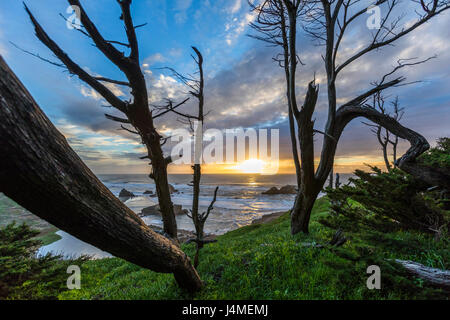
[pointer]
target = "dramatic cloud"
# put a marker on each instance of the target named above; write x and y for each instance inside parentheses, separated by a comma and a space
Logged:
(244, 86)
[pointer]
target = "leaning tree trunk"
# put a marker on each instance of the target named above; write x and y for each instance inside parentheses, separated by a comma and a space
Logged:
(40, 171)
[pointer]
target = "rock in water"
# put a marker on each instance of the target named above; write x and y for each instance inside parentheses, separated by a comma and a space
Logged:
(287, 189)
(172, 188)
(148, 192)
(155, 210)
(151, 210)
(273, 190)
(125, 194)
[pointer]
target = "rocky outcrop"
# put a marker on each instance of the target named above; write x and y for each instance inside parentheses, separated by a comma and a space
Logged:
(125, 194)
(287, 189)
(155, 210)
(273, 190)
(172, 188)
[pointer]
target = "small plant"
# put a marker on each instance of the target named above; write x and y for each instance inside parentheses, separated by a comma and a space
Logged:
(23, 275)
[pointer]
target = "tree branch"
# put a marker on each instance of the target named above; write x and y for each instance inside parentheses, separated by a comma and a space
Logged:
(117, 119)
(122, 83)
(205, 215)
(418, 143)
(104, 46)
(130, 29)
(75, 68)
(438, 7)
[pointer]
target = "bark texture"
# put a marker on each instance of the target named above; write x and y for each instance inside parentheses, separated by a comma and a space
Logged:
(436, 277)
(40, 171)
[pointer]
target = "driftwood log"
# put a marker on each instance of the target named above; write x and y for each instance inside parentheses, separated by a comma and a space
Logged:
(40, 171)
(436, 277)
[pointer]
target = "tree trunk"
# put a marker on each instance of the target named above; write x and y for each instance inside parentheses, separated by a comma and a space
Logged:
(308, 191)
(137, 112)
(386, 158)
(301, 211)
(431, 175)
(40, 171)
(330, 183)
(195, 204)
(436, 277)
(159, 174)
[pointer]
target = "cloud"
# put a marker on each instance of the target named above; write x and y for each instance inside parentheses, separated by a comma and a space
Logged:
(236, 6)
(154, 58)
(181, 8)
(236, 26)
(103, 152)
(251, 93)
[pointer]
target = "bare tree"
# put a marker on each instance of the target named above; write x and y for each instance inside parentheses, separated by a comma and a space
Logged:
(384, 137)
(137, 112)
(272, 26)
(41, 172)
(397, 115)
(195, 122)
(328, 22)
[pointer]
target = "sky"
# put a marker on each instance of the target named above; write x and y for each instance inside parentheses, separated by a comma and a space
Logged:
(244, 88)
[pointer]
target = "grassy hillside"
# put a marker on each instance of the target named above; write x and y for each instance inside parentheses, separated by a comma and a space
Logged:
(266, 262)
(10, 211)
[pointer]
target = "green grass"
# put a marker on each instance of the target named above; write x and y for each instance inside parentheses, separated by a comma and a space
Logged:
(10, 211)
(48, 236)
(266, 262)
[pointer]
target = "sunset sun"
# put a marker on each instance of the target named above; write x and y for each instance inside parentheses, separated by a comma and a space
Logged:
(251, 166)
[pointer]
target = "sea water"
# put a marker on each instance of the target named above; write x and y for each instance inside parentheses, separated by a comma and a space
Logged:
(239, 202)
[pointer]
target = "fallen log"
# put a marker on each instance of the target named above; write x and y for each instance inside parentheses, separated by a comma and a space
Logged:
(436, 277)
(40, 171)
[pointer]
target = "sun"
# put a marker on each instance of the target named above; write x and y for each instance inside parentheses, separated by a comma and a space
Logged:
(251, 166)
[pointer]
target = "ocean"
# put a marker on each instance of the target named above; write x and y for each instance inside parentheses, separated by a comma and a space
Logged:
(239, 202)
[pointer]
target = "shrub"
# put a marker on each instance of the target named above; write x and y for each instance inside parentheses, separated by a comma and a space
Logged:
(384, 201)
(438, 156)
(23, 275)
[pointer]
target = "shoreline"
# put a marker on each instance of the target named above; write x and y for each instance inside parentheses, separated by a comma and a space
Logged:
(185, 235)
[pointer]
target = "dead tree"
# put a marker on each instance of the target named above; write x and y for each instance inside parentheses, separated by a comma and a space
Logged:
(397, 114)
(196, 89)
(40, 171)
(272, 27)
(337, 183)
(436, 277)
(137, 112)
(328, 22)
(330, 179)
(199, 221)
(384, 137)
